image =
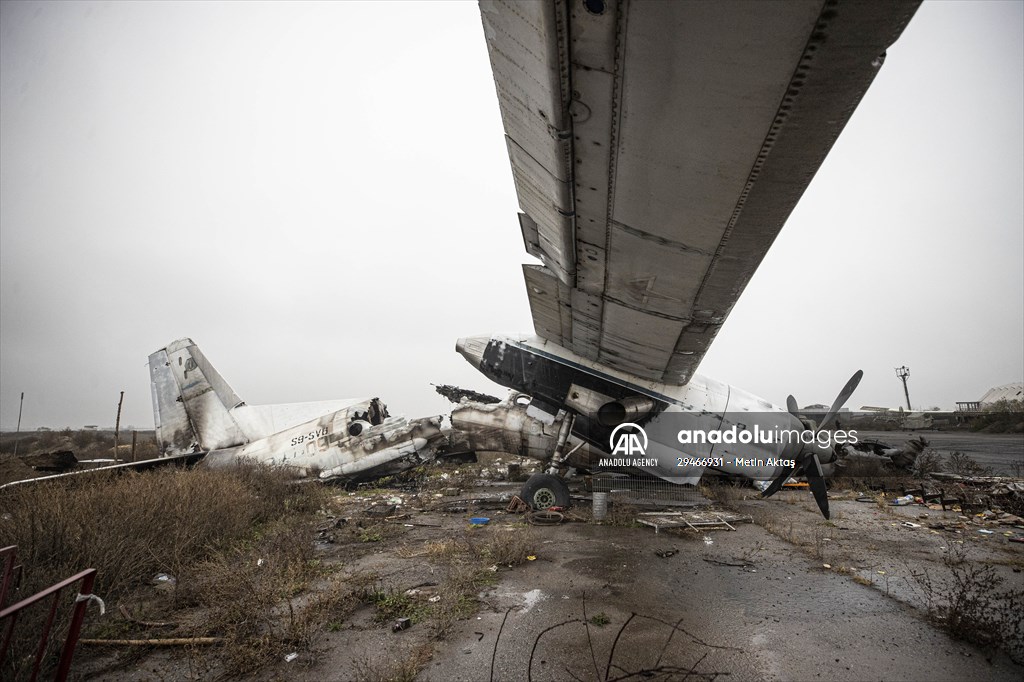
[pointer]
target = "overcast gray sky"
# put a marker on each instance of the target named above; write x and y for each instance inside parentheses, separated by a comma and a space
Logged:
(319, 195)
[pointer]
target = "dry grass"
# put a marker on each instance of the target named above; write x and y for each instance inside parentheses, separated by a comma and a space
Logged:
(502, 546)
(469, 562)
(403, 666)
(206, 528)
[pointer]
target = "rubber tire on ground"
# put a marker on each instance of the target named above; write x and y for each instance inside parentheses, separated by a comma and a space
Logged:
(542, 491)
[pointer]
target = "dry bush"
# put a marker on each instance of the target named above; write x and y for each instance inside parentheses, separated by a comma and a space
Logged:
(965, 465)
(928, 462)
(726, 493)
(971, 603)
(132, 526)
(622, 514)
(503, 546)
(402, 666)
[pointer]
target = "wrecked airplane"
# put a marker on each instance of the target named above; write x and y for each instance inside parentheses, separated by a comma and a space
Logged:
(903, 458)
(613, 115)
(196, 411)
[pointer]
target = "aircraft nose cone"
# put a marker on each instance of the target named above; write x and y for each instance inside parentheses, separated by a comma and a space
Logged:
(472, 348)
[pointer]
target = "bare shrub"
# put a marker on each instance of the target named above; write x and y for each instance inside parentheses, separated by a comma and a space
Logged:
(403, 666)
(965, 465)
(970, 602)
(928, 462)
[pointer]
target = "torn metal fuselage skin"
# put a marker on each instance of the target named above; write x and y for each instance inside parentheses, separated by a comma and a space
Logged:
(326, 448)
(196, 411)
(507, 426)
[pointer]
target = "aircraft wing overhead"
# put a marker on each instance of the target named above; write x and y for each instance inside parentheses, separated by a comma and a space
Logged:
(659, 147)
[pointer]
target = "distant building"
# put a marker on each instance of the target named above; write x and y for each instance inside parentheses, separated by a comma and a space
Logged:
(91, 427)
(1014, 391)
(44, 428)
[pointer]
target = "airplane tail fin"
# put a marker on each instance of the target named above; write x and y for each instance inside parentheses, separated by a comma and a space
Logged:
(191, 402)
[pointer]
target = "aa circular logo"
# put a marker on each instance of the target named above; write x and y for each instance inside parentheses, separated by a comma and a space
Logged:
(628, 439)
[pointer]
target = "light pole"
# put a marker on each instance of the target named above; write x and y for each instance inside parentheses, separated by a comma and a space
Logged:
(904, 373)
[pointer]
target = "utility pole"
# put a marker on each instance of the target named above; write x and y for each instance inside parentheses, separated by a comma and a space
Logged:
(18, 431)
(117, 425)
(904, 373)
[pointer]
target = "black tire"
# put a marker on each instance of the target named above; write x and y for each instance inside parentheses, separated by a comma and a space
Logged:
(546, 490)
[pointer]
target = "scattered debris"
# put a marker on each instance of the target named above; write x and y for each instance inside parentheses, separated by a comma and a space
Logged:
(457, 394)
(401, 624)
(127, 614)
(666, 553)
(695, 520)
(164, 581)
(381, 509)
(904, 457)
(545, 518)
(291, 657)
(174, 641)
(59, 461)
(517, 505)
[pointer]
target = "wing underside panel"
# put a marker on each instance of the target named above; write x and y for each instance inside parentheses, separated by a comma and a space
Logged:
(659, 147)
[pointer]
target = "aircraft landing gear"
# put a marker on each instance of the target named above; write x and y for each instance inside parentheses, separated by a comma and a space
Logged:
(542, 491)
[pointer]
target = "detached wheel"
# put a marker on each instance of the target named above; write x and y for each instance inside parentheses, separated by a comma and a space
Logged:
(545, 490)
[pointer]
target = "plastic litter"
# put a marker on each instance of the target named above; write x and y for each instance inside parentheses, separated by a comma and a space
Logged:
(164, 581)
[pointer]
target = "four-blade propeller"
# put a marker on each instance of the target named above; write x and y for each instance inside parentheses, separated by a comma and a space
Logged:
(807, 463)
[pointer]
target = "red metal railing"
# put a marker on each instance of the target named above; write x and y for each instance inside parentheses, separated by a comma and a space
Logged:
(8, 554)
(9, 615)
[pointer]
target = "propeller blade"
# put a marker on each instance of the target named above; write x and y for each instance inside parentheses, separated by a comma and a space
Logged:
(841, 399)
(817, 483)
(777, 484)
(792, 406)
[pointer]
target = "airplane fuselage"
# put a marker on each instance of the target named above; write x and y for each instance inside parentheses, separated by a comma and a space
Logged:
(341, 445)
(704, 424)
